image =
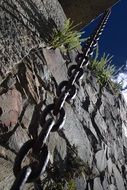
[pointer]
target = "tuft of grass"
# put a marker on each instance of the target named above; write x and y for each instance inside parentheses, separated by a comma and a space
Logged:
(60, 180)
(71, 185)
(116, 86)
(105, 71)
(103, 68)
(66, 37)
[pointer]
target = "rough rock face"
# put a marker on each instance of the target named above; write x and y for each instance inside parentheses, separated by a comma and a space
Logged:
(91, 151)
(83, 11)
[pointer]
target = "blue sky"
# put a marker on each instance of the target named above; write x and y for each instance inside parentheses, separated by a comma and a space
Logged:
(114, 39)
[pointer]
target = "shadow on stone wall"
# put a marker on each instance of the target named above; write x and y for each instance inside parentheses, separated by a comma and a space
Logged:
(31, 17)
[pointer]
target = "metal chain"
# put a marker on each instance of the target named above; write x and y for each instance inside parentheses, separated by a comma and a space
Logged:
(37, 148)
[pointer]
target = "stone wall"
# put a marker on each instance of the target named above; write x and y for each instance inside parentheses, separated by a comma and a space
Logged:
(94, 130)
(83, 11)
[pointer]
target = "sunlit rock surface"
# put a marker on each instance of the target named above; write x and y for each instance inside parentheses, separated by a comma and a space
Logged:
(96, 119)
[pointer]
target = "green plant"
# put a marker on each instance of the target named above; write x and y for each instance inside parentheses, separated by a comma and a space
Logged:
(105, 71)
(66, 38)
(58, 179)
(103, 68)
(55, 186)
(71, 185)
(115, 86)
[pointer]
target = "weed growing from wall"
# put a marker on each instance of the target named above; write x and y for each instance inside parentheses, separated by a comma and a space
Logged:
(105, 71)
(102, 67)
(65, 179)
(66, 37)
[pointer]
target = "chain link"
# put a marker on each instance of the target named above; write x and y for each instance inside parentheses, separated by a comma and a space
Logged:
(21, 178)
(52, 118)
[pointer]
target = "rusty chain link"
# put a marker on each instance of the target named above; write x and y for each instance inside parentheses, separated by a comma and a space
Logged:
(52, 118)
